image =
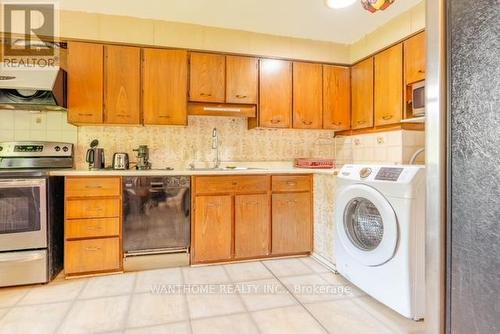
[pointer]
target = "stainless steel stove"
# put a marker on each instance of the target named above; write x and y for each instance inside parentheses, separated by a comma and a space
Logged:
(31, 211)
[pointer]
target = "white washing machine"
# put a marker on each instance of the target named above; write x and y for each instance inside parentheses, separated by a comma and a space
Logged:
(380, 239)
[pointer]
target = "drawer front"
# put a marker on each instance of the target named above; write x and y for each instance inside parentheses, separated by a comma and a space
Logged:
(93, 208)
(291, 183)
(225, 184)
(92, 186)
(91, 228)
(93, 255)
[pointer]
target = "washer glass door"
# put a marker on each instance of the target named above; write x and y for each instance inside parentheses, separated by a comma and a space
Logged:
(363, 223)
(366, 225)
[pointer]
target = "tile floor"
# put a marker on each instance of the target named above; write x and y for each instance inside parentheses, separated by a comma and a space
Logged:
(274, 296)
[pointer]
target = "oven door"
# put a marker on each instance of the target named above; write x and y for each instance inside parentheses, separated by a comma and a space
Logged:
(23, 214)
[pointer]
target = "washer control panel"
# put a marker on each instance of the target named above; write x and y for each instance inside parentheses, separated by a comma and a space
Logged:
(388, 174)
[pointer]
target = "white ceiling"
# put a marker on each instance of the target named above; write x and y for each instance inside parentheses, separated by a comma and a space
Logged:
(296, 18)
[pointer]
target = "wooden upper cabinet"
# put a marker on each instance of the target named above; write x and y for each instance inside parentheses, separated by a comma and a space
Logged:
(336, 97)
(307, 95)
(123, 84)
(207, 78)
(242, 75)
(252, 225)
(164, 85)
(362, 94)
(85, 83)
(414, 58)
(275, 93)
(389, 86)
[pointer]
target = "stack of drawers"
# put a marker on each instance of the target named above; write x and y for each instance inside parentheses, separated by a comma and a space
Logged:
(93, 225)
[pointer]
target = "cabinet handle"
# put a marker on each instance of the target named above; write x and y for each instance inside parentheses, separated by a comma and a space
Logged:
(337, 123)
(241, 96)
(307, 122)
(361, 122)
(93, 187)
(84, 114)
(421, 71)
(92, 249)
(163, 116)
(234, 183)
(387, 117)
(205, 94)
(275, 121)
(94, 228)
(122, 115)
(292, 201)
(291, 183)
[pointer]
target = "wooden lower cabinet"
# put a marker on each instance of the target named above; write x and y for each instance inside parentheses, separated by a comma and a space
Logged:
(291, 223)
(93, 226)
(249, 217)
(213, 228)
(252, 225)
(92, 255)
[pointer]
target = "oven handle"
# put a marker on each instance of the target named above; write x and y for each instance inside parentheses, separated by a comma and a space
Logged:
(21, 257)
(9, 183)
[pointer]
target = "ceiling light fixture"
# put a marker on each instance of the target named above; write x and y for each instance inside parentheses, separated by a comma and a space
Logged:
(335, 4)
(375, 5)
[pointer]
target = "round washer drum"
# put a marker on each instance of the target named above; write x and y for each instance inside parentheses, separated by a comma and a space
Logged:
(366, 225)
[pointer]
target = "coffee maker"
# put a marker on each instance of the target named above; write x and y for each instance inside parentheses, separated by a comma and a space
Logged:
(95, 156)
(143, 157)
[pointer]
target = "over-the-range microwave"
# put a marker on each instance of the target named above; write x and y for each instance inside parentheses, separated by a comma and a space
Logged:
(418, 99)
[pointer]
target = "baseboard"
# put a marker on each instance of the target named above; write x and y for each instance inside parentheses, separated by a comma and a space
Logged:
(324, 261)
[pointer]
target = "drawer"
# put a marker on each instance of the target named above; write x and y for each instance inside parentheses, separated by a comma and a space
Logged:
(225, 184)
(93, 208)
(91, 228)
(92, 255)
(291, 183)
(92, 186)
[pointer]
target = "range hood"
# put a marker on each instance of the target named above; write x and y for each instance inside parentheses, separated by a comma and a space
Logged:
(33, 88)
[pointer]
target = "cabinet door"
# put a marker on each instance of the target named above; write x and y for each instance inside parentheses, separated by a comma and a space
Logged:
(212, 228)
(207, 79)
(85, 83)
(336, 97)
(389, 86)
(291, 223)
(362, 94)
(241, 79)
(164, 85)
(414, 58)
(122, 89)
(307, 96)
(252, 225)
(275, 93)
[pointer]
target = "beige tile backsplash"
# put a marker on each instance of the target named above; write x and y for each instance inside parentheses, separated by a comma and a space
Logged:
(393, 147)
(177, 146)
(27, 125)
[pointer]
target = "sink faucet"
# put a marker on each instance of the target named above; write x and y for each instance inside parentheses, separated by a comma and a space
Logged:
(215, 146)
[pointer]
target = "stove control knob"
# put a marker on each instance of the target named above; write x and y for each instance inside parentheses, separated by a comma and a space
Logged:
(57, 148)
(1, 148)
(65, 148)
(365, 172)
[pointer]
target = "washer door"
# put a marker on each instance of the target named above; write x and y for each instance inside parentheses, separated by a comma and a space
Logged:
(366, 225)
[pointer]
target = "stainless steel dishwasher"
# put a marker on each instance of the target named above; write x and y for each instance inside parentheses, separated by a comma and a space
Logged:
(156, 221)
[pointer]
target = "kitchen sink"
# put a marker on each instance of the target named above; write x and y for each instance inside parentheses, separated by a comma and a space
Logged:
(225, 168)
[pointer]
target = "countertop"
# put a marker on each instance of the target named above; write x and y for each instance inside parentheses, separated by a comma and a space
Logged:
(256, 168)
